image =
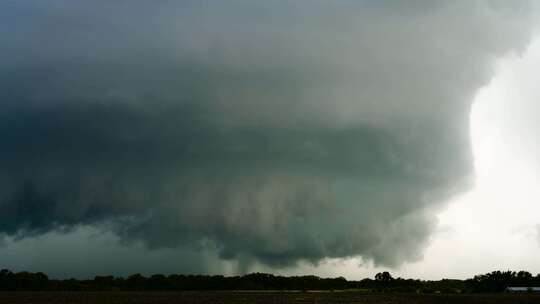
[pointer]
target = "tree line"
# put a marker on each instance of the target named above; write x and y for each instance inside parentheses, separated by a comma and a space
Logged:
(496, 281)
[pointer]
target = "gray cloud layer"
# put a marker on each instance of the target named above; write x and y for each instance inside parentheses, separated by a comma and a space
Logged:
(265, 131)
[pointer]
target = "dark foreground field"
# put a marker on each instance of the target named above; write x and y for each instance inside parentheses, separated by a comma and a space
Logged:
(256, 297)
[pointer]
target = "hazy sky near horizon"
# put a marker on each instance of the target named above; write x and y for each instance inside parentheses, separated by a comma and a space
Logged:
(336, 138)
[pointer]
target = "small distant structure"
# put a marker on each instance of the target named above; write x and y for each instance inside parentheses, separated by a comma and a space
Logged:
(522, 289)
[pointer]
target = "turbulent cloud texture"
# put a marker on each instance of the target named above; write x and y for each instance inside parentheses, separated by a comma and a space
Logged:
(265, 131)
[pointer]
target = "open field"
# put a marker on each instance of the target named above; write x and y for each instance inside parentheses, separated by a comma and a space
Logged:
(257, 297)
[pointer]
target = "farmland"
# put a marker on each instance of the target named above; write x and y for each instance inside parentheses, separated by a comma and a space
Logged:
(258, 297)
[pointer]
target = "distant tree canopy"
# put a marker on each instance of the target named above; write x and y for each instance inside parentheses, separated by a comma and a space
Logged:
(496, 281)
(383, 277)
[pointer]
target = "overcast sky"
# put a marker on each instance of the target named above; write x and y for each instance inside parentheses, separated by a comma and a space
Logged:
(327, 137)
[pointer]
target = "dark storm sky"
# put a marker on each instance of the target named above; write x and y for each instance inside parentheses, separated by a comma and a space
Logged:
(264, 132)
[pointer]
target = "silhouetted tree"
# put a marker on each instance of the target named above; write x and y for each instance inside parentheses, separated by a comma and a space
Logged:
(383, 277)
(496, 281)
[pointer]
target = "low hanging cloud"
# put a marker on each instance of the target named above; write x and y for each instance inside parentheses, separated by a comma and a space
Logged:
(264, 131)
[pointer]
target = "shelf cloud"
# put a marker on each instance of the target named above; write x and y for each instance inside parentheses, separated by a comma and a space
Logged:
(264, 131)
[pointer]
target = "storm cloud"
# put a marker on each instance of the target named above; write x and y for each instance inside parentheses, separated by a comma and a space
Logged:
(264, 131)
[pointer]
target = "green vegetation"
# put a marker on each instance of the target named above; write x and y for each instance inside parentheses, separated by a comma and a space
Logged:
(496, 281)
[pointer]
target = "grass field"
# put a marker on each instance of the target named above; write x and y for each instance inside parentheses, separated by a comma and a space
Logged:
(257, 297)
